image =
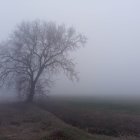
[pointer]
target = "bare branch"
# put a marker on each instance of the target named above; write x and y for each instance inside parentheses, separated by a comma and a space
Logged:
(35, 51)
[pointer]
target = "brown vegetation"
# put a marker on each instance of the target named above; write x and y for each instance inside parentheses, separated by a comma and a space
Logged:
(96, 119)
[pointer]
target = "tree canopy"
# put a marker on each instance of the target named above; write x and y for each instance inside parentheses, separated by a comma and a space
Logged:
(34, 52)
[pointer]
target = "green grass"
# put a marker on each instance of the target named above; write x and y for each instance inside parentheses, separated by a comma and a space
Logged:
(30, 122)
(108, 105)
(97, 117)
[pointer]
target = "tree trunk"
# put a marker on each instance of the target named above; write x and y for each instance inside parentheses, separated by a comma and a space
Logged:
(31, 94)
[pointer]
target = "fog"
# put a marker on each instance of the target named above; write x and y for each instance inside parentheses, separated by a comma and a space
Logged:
(109, 64)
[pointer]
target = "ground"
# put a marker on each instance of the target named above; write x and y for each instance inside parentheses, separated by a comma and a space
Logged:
(120, 120)
(29, 122)
(19, 121)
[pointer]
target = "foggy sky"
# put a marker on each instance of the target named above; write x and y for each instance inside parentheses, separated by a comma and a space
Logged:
(110, 62)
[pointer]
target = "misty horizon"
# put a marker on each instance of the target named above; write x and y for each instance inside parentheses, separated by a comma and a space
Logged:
(108, 65)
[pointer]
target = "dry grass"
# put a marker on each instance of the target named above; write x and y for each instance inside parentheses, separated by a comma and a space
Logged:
(97, 119)
(29, 122)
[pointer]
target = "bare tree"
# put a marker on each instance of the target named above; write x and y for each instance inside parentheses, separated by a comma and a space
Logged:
(34, 52)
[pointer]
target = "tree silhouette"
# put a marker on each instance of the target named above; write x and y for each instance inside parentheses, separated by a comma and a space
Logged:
(34, 52)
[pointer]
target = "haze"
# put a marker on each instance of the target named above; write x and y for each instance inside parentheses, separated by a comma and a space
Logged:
(109, 64)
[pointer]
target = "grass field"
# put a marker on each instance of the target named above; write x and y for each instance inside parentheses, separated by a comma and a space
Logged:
(98, 117)
(66, 119)
(29, 122)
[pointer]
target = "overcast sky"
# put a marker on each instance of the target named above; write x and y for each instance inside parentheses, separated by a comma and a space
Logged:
(110, 62)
